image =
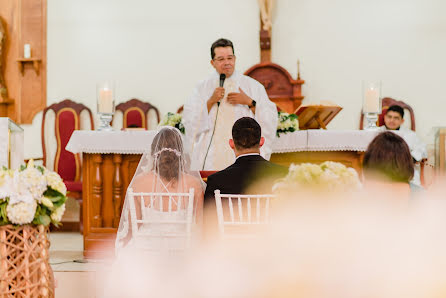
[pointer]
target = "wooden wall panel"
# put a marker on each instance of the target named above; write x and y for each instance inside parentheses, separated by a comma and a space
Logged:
(25, 78)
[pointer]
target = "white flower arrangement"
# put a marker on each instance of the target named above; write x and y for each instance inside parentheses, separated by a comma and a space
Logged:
(174, 120)
(327, 176)
(31, 195)
(287, 123)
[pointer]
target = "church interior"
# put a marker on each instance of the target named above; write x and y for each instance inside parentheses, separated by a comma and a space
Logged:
(119, 67)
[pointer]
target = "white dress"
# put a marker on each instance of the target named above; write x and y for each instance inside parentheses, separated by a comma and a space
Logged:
(166, 231)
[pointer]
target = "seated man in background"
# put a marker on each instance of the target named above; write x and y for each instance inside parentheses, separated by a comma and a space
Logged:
(393, 119)
(250, 173)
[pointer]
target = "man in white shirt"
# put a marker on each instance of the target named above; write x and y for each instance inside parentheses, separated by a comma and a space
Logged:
(393, 119)
(211, 111)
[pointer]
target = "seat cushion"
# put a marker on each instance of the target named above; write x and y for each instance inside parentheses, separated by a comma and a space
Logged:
(74, 185)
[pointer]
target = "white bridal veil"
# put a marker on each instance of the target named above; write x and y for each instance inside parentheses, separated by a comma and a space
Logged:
(163, 168)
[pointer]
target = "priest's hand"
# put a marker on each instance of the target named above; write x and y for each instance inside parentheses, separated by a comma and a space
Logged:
(218, 94)
(239, 98)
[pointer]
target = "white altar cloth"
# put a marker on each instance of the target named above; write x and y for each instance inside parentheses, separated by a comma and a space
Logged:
(119, 141)
(137, 142)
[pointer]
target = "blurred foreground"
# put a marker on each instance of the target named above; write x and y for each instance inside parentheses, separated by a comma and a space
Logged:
(366, 243)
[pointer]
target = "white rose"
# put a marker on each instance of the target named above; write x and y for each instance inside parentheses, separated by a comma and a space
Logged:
(31, 179)
(55, 182)
(58, 213)
(21, 213)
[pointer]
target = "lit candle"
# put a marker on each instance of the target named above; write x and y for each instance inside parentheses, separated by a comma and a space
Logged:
(105, 104)
(371, 101)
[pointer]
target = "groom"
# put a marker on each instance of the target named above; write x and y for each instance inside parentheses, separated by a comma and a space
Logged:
(250, 173)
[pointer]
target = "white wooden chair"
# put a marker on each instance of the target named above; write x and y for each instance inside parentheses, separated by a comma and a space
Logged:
(242, 215)
(165, 230)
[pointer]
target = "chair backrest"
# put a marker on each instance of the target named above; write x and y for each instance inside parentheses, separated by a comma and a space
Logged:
(387, 102)
(135, 113)
(67, 119)
(168, 232)
(236, 212)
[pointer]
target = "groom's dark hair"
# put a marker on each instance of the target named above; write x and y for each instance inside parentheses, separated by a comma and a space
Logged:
(246, 133)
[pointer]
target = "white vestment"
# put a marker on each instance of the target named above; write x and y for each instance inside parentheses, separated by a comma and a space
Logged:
(417, 148)
(199, 124)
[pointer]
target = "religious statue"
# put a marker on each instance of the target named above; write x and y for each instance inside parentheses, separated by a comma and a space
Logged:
(3, 90)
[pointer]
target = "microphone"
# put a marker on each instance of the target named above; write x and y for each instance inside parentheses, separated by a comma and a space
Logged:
(222, 79)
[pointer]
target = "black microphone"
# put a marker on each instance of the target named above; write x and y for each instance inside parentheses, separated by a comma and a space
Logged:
(222, 79)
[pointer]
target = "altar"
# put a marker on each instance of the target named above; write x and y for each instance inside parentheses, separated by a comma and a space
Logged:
(110, 160)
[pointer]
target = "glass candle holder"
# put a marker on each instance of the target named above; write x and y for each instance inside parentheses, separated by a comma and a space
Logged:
(105, 105)
(371, 104)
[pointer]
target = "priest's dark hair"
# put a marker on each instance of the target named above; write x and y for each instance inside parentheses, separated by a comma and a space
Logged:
(221, 43)
(388, 156)
(246, 133)
(397, 109)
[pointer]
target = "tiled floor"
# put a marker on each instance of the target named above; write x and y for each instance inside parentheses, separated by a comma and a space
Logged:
(75, 277)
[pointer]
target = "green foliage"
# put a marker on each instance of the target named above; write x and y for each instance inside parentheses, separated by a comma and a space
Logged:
(56, 197)
(3, 215)
(42, 216)
(41, 169)
(180, 127)
(287, 123)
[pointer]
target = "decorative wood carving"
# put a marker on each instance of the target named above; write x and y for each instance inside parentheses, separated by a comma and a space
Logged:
(96, 184)
(282, 89)
(105, 181)
(117, 189)
(107, 209)
(24, 22)
(145, 107)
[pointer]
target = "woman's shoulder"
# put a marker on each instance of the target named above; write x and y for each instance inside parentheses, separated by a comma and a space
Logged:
(191, 178)
(142, 179)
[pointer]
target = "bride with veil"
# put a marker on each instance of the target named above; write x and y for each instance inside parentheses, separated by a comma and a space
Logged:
(162, 174)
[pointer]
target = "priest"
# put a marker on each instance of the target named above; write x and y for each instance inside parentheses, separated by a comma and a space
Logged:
(216, 103)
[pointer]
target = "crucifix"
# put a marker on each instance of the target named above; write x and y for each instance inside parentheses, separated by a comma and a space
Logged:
(266, 8)
(282, 89)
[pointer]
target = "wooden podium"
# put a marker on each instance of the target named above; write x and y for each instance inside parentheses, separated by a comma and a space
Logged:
(316, 116)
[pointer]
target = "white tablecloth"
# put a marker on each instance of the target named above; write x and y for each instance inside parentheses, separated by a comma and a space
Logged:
(123, 142)
(137, 142)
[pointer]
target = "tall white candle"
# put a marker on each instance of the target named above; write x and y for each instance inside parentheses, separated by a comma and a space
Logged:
(105, 103)
(27, 51)
(371, 101)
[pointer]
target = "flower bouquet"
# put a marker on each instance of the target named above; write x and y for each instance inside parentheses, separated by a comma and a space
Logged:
(287, 123)
(31, 198)
(328, 176)
(173, 120)
(31, 195)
